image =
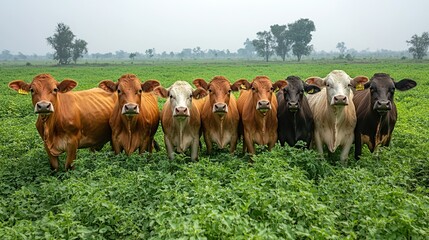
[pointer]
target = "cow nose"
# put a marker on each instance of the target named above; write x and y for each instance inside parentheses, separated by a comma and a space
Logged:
(130, 108)
(263, 105)
(383, 105)
(340, 100)
(293, 106)
(181, 111)
(44, 107)
(220, 108)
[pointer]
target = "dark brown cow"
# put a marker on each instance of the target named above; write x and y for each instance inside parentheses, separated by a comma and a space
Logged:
(376, 111)
(294, 114)
(219, 114)
(68, 120)
(135, 117)
(257, 106)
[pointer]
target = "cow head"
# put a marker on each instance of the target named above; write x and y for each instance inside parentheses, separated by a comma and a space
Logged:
(338, 86)
(44, 91)
(262, 90)
(219, 91)
(293, 92)
(382, 88)
(180, 95)
(129, 89)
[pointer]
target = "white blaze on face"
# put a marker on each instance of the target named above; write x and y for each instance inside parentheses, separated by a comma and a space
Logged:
(338, 87)
(180, 96)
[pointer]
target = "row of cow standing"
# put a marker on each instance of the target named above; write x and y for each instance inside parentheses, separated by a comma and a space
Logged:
(338, 111)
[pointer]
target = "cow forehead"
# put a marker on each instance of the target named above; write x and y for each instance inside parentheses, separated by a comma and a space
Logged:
(262, 83)
(220, 84)
(338, 77)
(129, 83)
(382, 82)
(181, 88)
(294, 84)
(44, 81)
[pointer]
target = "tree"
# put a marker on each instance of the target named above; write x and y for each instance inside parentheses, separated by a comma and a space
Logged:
(79, 48)
(66, 47)
(419, 45)
(300, 35)
(264, 44)
(150, 52)
(132, 56)
(282, 39)
(341, 46)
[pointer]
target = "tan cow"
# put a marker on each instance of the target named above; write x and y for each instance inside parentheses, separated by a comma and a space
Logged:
(334, 112)
(135, 117)
(180, 118)
(219, 114)
(68, 120)
(257, 106)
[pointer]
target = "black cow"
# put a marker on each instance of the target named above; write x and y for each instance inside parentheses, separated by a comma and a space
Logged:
(376, 111)
(295, 119)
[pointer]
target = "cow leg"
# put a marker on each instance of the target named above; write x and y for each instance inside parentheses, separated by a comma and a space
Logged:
(71, 151)
(358, 144)
(345, 152)
(208, 142)
(248, 143)
(318, 142)
(53, 160)
(169, 147)
(194, 150)
(233, 144)
(116, 145)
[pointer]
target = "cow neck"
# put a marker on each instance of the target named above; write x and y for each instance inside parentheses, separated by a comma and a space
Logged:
(48, 125)
(379, 136)
(130, 125)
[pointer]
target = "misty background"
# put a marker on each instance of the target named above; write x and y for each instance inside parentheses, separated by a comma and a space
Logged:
(213, 28)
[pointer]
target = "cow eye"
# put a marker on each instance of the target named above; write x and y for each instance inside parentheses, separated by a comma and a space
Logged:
(119, 91)
(210, 90)
(31, 90)
(229, 91)
(140, 91)
(55, 90)
(272, 88)
(328, 85)
(349, 85)
(253, 88)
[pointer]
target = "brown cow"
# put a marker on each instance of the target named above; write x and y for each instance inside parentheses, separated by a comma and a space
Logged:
(376, 111)
(68, 120)
(257, 106)
(219, 114)
(135, 117)
(180, 118)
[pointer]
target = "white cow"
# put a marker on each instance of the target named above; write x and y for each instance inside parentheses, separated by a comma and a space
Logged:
(334, 111)
(180, 118)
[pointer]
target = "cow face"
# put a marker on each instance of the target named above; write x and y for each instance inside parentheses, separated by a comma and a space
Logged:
(180, 95)
(338, 86)
(293, 92)
(129, 89)
(219, 91)
(44, 91)
(262, 90)
(382, 88)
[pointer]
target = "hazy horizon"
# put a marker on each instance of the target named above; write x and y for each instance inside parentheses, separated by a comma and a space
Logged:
(167, 25)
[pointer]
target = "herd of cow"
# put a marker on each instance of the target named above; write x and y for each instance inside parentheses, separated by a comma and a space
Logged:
(338, 111)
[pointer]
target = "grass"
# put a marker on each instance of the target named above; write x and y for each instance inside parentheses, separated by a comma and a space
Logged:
(286, 193)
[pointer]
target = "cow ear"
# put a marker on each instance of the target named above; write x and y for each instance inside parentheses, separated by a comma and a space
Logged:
(405, 84)
(315, 81)
(108, 85)
(199, 93)
(200, 83)
(358, 82)
(280, 84)
(20, 86)
(311, 89)
(242, 82)
(66, 85)
(150, 85)
(161, 91)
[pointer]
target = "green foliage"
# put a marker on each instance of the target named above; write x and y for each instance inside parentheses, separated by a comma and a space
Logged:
(419, 45)
(287, 193)
(300, 34)
(264, 44)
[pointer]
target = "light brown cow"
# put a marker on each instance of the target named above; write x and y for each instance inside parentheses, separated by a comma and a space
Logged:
(180, 118)
(68, 120)
(219, 115)
(257, 106)
(334, 112)
(135, 117)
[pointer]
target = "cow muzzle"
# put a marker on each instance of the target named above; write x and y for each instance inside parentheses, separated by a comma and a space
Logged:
(382, 106)
(44, 107)
(181, 112)
(340, 100)
(263, 106)
(220, 108)
(293, 106)
(130, 109)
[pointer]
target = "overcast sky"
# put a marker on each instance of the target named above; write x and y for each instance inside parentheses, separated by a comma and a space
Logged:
(171, 25)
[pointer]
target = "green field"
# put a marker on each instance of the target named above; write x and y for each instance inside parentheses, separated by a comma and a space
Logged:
(286, 193)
